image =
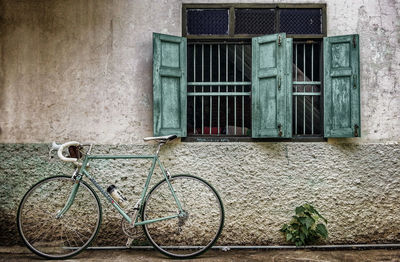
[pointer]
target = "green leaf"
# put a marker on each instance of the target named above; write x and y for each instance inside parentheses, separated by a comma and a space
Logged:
(311, 208)
(304, 230)
(289, 236)
(321, 230)
(299, 210)
(309, 222)
(302, 237)
(319, 215)
(326, 221)
(284, 228)
(302, 220)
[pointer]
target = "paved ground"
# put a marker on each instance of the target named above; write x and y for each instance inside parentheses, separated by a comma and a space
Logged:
(23, 254)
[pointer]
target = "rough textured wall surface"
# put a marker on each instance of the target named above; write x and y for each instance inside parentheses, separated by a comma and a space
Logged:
(356, 187)
(82, 70)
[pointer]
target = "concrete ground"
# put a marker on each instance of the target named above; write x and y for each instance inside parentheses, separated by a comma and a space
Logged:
(23, 254)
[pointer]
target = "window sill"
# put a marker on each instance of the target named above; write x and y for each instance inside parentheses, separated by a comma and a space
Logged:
(249, 139)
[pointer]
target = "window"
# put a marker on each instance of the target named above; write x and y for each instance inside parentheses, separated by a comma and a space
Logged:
(219, 88)
(256, 70)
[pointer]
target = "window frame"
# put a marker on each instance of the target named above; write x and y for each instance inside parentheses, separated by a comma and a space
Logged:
(231, 35)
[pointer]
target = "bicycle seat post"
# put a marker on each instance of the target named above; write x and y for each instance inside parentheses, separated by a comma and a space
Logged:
(160, 143)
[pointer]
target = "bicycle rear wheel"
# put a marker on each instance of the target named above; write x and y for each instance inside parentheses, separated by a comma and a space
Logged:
(52, 237)
(197, 230)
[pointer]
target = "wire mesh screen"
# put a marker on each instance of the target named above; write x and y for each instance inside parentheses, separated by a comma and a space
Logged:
(254, 21)
(207, 21)
(301, 21)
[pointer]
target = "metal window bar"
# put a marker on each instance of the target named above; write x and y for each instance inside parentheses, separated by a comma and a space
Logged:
(223, 69)
(219, 89)
(242, 90)
(234, 79)
(307, 111)
(226, 88)
(202, 89)
(210, 88)
(194, 88)
(312, 88)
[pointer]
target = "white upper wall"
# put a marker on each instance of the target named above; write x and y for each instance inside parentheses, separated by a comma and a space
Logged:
(82, 69)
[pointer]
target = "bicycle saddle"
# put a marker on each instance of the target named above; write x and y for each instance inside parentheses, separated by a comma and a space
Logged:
(160, 138)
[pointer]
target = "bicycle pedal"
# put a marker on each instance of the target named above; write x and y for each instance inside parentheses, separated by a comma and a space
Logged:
(129, 242)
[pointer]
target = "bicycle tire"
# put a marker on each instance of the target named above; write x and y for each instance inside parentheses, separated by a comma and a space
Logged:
(188, 236)
(64, 237)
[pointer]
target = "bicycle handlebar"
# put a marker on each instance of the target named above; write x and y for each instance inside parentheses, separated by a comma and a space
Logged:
(60, 148)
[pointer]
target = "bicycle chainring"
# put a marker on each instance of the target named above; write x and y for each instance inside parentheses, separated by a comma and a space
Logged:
(129, 229)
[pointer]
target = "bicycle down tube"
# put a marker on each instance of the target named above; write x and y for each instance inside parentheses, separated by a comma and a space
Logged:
(155, 161)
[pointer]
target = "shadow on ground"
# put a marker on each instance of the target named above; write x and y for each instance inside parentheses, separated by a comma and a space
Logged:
(23, 254)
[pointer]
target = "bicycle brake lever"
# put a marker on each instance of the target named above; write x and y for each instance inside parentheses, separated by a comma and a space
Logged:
(54, 147)
(50, 156)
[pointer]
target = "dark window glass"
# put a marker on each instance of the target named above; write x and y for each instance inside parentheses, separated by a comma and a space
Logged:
(207, 21)
(301, 21)
(254, 21)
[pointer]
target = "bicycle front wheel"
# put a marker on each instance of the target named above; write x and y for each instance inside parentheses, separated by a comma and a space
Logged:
(194, 232)
(49, 236)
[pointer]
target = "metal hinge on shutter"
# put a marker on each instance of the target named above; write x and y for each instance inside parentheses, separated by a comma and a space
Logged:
(279, 40)
(279, 83)
(354, 81)
(354, 41)
(356, 130)
(279, 130)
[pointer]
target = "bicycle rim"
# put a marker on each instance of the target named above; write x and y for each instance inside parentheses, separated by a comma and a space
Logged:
(63, 237)
(197, 231)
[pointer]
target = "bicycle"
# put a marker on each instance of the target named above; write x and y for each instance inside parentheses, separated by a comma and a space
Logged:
(182, 215)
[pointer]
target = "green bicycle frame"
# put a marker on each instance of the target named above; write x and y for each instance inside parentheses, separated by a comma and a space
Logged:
(155, 161)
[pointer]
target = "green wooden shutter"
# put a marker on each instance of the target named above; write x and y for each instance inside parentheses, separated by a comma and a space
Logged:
(341, 86)
(169, 85)
(271, 86)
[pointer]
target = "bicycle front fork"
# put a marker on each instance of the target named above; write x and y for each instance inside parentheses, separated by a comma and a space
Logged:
(72, 195)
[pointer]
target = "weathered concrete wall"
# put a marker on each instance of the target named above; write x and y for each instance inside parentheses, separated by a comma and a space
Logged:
(82, 70)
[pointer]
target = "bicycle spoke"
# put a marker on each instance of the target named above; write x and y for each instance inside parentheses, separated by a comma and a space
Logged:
(187, 230)
(66, 237)
(63, 237)
(79, 234)
(45, 234)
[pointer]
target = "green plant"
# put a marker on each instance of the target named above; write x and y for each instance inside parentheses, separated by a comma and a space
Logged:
(306, 227)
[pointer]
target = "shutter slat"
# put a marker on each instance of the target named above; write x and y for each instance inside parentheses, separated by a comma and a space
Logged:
(169, 85)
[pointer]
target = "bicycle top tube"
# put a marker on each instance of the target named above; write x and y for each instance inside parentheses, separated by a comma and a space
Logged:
(160, 139)
(121, 156)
